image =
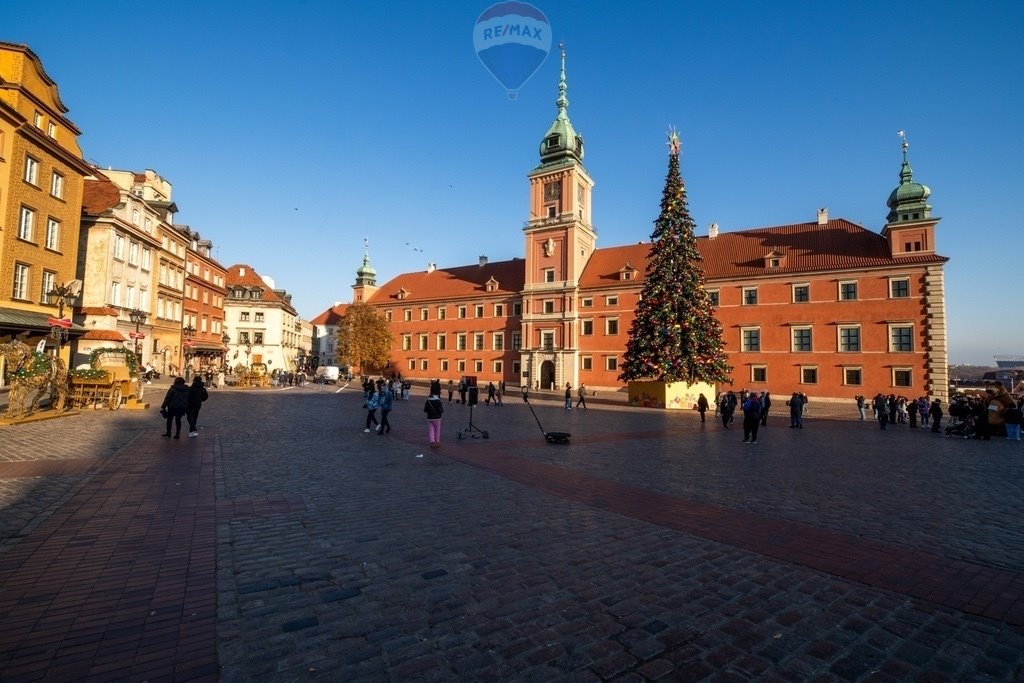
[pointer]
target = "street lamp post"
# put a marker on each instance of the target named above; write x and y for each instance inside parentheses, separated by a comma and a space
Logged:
(225, 339)
(138, 317)
(248, 352)
(188, 332)
(61, 296)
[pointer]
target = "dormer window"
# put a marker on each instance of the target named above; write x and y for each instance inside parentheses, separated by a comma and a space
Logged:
(775, 259)
(627, 273)
(403, 293)
(491, 285)
(256, 294)
(551, 142)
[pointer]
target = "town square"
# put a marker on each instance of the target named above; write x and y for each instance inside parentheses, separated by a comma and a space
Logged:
(425, 343)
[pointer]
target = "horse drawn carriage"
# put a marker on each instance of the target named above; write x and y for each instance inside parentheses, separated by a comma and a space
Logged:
(111, 379)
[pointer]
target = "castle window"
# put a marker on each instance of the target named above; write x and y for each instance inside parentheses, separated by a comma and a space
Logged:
(713, 297)
(750, 296)
(587, 328)
(901, 338)
(549, 275)
(442, 343)
(750, 339)
(848, 291)
(852, 377)
(902, 377)
(586, 363)
(758, 373)
(407, 314)
(587, 302)
(801, 294)
(611, 300)
(498, 341)
(424, 313)
(849, 338)
(549, 306)
(611, 326)
(899, 288)
(406, 342)
(478, 310)
(423, 342)
(442, 312)
(809, 374)
(552, 141)
(802, 339)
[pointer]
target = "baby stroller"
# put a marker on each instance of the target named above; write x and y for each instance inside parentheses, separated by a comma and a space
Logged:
(962, 430)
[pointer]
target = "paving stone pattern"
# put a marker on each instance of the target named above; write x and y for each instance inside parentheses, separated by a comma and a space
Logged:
(285, 544)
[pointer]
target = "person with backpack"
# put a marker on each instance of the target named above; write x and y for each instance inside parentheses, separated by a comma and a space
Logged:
(751, 417)
(434, 410)
(175, 405)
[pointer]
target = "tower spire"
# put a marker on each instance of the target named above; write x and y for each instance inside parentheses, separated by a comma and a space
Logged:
(366, 274)
(909, 201)
(561, 143)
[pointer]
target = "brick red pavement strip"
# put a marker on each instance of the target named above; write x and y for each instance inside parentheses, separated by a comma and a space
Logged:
(44, 468)
(969, 587)
(120, 581)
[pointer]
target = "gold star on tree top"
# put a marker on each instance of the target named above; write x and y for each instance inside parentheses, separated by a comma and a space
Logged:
(673, 141)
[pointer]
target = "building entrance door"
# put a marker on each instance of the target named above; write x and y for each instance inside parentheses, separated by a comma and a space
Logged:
(547, 375)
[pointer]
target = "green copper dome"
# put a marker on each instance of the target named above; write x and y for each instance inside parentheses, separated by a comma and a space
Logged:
(561, 142)
(909, 201)
(366, 274)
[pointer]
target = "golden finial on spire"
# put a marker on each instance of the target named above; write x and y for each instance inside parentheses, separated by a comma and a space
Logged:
(903, 136)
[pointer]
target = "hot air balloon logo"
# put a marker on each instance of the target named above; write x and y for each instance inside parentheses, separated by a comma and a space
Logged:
(512, 40)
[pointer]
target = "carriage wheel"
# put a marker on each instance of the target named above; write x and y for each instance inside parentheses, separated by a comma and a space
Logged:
(115, 397)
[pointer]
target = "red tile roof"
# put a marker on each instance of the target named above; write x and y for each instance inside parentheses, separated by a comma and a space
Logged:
(448, 283)
(331, 316)
(97, 310)
(251, 278)
(805, 247)
(99, 195)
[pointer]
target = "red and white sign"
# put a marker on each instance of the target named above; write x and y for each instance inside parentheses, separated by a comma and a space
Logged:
(59, 322)
(136, 335)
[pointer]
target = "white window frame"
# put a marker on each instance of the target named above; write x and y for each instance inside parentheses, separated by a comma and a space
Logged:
(478, 366)
(115, 293)
(584, 324)
(792, 338)
(714, 297)
(442, 312)
(839, 338)
(424, 341)
(547, 340)
(910, 376)
(478, 341)
(119, 247)
(587, 302)
(441, 342)
(804, 369)
(424, 364)
(461, 341)
(892, 346)
(22, 277)
(611, 300)
(53, 234)
(611, 363)
(31, 174)
(744, 346)
(26, 224)
(892, 283)
(800, 285)
(846, 377)
(460, 365)
(549, 275)
(478, 311)
(424, 313)
(407, 342)
(754, 370)
(48, 283)
(407, 314)
(839, 290)
(57, 185)
(498, 341)
(608, 324)
(743, 296)
(586, 362)
(497, 367)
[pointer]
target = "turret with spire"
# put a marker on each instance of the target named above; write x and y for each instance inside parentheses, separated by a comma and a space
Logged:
(561, 142)
(909, 201)
(366, 278)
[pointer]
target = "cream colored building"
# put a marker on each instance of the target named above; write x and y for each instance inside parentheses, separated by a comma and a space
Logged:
(261, 321)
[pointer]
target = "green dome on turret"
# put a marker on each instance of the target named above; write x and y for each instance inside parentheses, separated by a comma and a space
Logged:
(909, 201)
(366, 274)
(561, 142)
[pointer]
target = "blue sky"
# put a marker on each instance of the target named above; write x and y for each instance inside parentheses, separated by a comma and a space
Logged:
(293, 130)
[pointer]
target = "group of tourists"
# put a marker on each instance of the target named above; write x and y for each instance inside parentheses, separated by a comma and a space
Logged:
(993, 413)
(183, 400)
(755, 407)
(288, 379)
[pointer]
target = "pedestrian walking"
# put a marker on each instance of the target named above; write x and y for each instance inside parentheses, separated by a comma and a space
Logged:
(499, 393)
(582, 393)
(371, 409)
(385, 402)
(766, 403)
(175, 405)
(462, 391)
(881, 412)
(451, 390)
(912, 414)
(796, 411)
(568, 396)
(434, 410)
(727, 408)
(861, 405)
(702, 406)
(196, 395)
(751, 418)
(490, 393)
(1013, 417)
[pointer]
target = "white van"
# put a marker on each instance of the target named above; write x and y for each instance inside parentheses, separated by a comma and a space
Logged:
(328, 374)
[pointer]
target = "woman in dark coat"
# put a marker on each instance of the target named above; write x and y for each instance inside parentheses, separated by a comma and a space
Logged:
(196, 395)
(175, 404)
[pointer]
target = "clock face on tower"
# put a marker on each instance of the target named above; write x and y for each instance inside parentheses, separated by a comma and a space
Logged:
(552, 191)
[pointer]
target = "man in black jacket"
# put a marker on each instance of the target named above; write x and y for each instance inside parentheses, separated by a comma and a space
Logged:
(196, 395)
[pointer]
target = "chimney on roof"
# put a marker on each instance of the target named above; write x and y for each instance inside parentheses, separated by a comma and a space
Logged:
(431, 267)
(241, 272)
(713, 231)
(823, 216)
(483, 261)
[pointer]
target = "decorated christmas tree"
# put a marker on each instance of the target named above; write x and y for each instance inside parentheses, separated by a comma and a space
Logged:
(675, 336)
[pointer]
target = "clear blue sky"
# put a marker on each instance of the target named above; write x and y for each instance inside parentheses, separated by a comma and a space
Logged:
(292, 130)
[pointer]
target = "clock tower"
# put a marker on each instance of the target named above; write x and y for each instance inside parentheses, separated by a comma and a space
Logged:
(559, 242)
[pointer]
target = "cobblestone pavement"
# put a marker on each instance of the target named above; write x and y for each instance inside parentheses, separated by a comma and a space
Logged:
(285, 544)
